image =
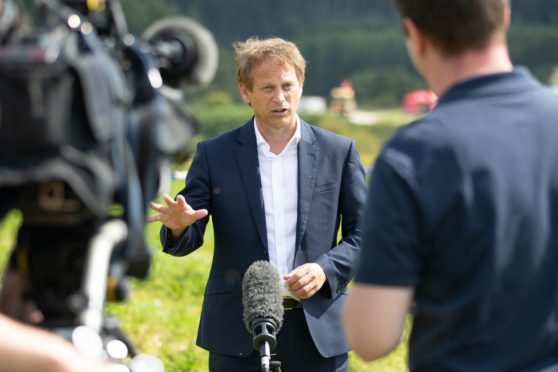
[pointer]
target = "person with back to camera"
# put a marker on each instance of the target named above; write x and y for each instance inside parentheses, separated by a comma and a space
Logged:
(277, 189)
(463, 207)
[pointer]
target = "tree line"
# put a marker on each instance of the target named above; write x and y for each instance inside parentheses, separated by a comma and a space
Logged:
(359, 40)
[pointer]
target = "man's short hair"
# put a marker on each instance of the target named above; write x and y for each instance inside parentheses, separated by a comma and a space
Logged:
(455, 26)
(252, 52)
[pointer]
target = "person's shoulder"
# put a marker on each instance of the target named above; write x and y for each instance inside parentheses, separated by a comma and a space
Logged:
(423, 146)
(547, 95)
(325, 135)
(425, 130)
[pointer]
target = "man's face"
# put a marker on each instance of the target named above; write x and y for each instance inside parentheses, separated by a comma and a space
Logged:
(275, 94)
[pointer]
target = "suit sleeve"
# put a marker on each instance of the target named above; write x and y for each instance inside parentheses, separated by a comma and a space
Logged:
(198, 194)
(339, 263)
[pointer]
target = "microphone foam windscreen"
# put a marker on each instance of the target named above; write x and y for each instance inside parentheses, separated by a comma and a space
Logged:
(261, 294)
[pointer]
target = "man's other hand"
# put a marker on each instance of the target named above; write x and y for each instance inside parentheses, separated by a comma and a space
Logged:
(305, 280)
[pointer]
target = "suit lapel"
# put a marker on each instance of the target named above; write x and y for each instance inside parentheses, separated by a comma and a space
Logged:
(247, 157)
(308, 155)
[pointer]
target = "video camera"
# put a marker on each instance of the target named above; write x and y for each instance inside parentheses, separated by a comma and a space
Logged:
(89, 115)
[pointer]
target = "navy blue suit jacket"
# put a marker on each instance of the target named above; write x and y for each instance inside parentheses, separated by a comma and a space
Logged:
(224, 179)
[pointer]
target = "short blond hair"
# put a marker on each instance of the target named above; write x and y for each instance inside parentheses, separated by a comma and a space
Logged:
(252, 52)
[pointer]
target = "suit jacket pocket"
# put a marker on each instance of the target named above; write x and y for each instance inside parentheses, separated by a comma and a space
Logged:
(219, 286)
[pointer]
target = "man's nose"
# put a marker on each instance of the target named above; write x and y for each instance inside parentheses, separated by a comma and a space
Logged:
(279, 95)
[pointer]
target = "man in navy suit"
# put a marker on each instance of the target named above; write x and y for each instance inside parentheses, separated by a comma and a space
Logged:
(277, 189)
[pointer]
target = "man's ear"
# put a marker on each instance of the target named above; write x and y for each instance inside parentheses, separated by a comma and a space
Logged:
(416, 39)
(507, 15)
(244, 93)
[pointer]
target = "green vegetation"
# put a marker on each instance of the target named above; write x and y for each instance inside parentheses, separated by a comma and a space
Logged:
(161, 315)
(354, 39)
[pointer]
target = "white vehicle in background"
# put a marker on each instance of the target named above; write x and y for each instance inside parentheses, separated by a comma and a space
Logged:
(312, 105)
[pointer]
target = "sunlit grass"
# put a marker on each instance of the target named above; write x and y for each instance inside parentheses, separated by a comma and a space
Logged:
(161, 314)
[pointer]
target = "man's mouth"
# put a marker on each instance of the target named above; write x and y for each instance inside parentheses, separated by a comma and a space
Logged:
(280, 110)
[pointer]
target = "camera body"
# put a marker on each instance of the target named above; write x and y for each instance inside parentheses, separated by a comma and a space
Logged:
(89, 114)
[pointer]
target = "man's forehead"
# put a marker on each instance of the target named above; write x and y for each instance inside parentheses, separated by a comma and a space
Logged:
(277, 67)
(274, 62)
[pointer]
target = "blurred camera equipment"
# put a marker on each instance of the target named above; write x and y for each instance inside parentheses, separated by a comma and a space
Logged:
(89, 115)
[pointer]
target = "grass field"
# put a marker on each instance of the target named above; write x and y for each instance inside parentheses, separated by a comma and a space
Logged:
(161, 314)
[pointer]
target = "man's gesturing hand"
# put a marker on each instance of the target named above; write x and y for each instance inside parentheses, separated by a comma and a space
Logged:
(177, 215)
(305, 280)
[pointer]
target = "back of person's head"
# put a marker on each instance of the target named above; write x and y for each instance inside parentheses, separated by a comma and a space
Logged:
(252, 52)
(456, 26)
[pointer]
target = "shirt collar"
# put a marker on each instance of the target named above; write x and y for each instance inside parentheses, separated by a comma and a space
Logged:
(294, 139)
(518, 80)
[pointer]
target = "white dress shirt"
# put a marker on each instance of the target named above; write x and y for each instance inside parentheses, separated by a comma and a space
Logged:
(279, 177)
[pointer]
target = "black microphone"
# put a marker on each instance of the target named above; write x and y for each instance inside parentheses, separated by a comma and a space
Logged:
(263, 308)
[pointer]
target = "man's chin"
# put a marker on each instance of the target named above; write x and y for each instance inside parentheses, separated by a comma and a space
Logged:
(277, 121)
(285, 120)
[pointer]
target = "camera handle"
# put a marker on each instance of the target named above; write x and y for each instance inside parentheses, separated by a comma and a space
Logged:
(87, 336)
(96, 271)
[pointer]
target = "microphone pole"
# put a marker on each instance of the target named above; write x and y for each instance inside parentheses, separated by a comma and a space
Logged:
(264, 340)
(265, 354)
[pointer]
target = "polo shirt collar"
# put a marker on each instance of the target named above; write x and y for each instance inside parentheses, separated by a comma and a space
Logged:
(517, 80)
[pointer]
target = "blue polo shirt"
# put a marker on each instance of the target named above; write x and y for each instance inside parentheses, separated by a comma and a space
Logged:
(463, 206)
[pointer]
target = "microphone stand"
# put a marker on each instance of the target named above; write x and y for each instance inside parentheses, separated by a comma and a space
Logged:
(275, 366)
(264, 330)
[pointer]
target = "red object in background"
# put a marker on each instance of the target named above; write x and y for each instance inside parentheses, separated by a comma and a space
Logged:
(419, 101)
